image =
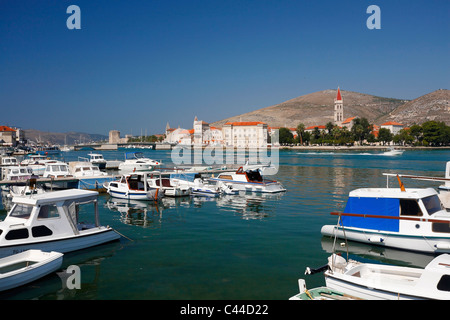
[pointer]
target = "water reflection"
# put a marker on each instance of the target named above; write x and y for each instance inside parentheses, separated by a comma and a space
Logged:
(152, 214)
(385, 255)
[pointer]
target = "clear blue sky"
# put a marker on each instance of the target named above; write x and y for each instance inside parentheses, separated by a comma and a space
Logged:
(135, 65)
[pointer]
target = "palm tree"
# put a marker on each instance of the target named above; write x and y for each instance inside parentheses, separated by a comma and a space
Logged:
(300, 131)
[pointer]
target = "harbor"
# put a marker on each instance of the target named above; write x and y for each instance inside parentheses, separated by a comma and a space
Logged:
(249, 245)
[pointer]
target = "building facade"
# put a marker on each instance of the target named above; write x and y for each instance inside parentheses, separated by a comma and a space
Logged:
(245, 134)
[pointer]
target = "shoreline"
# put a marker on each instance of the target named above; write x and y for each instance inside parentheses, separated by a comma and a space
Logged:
(362, 148)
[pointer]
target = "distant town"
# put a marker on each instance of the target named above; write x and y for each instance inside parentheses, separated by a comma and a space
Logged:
(256, 134)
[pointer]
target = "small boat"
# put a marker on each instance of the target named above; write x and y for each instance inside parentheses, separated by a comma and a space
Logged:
(250, 181)
(199, 186)
(169, 188)
(89, 176)
(389, 282)
(403, 218)
(98, 160)
(319, 293)
(51, 222)
(134, 186)
(56, 171)
(393, 152)
(15, 173)
(9, 161)
(46, 150)
(25, 267)
(37, 163)
(135, 161)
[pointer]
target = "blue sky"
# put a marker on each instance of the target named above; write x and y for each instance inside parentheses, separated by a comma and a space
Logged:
(136, 65)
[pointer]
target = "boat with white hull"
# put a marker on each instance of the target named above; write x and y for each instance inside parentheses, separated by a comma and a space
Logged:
(249, 181)
(168, 187)
(37, 163)
(389, 282)
(51, 222)
(97, 159)
(25, 267)
(89, 176)
(135, 161)
(198, 186)
(409, 219)
(134, 187)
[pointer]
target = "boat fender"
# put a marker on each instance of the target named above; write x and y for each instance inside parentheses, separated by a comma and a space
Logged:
(317, 270)
(442, 246)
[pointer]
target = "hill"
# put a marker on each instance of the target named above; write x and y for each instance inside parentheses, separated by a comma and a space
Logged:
(431, 106)
(68, 138)
(318, 108)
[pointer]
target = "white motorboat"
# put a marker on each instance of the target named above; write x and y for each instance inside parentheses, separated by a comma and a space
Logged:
(250, 180)
(393, 152)
(9, 161)
(89, 176)
(16, 173)
(170, 188)
(135, 161)
(404, 218)
(51, 222)
(389, 282)
(199, 187)
(37, 163)
(134, 187)
(25, 267)
(97, 159)
(58, 170)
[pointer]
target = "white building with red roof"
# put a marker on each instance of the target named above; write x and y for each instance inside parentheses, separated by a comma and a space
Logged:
(8, 136)
(393, 126)
(245, 134)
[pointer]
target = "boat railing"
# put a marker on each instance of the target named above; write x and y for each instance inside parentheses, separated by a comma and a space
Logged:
(363, 215)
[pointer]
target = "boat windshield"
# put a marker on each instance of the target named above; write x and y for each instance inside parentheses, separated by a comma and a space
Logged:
(432, 204)
(21, 211)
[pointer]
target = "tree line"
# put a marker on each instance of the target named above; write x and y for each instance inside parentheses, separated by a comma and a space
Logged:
(430, 133)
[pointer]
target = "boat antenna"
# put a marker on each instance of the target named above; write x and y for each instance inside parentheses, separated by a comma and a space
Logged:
(402, 186)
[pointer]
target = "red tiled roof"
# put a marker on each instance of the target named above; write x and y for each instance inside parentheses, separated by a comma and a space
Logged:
(348, 120)
(312, 127)
(392, 123)
(245, 123)
(6, 128)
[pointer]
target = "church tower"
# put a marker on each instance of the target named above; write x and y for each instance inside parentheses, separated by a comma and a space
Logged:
(338, 109)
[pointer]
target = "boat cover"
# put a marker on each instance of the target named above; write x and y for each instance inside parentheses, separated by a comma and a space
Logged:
(372, 206)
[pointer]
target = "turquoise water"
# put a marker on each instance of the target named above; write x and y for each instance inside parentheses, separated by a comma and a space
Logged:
(237, 247)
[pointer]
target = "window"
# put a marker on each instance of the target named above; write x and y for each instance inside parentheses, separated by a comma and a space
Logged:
(41, 231)
(48, 211)
(432, 204)
(444, 283)
(21, 211)
(440, 227)
(17, 234)
(409, 208)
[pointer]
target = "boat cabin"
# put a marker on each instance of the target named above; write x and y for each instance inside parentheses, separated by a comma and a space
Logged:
(51, 221)
(389, 209)
(9, 161)
(57, 170)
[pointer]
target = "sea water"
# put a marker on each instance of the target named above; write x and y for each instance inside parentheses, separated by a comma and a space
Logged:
(247, 246)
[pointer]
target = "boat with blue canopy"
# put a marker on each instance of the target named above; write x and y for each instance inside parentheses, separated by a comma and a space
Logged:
(405, 218)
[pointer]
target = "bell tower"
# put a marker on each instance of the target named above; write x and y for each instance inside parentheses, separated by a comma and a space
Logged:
(338, 109)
